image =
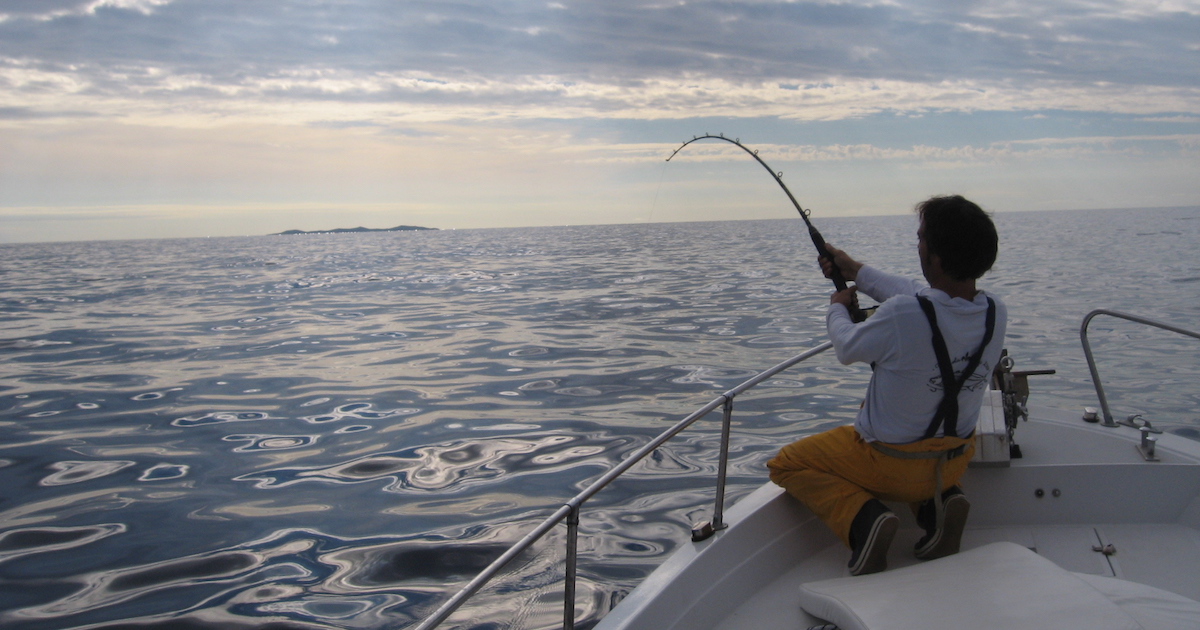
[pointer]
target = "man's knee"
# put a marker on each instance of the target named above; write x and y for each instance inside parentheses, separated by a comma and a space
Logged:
(780, 468)
(778, 474)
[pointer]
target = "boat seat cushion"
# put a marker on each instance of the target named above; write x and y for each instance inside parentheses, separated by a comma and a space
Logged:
(1153, 608)
(998, 586)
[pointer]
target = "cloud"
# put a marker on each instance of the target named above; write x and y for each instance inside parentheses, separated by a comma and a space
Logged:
(29, 113)
(1187, 120)
(615, 58)
(46, 10)
(330, 96)
(1069, 148)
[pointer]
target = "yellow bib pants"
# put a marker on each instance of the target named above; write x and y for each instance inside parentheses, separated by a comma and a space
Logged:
(834, 473)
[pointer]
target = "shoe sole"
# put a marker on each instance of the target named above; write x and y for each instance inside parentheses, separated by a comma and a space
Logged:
(873, 557)
(948, 539)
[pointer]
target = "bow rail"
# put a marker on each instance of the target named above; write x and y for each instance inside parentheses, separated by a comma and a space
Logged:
(569, 511)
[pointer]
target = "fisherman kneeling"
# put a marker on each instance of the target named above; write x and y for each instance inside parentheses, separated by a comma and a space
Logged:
(932, 349)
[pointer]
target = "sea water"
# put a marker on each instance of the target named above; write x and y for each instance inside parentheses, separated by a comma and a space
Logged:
(335, 431)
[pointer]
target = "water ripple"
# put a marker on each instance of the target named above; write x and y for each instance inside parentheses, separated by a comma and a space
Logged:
(270, 442)
(220, 417)
(441, 467)
(78, 472)
(19, 542)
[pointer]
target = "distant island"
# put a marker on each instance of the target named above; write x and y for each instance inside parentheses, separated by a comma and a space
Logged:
(398, 228)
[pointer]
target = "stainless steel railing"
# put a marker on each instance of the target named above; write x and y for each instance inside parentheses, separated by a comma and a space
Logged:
(570, 510)
(1087, 351)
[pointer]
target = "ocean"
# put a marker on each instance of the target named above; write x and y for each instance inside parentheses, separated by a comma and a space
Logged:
(335, 431)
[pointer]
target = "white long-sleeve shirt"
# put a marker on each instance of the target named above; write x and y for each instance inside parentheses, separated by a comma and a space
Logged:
(906, 386)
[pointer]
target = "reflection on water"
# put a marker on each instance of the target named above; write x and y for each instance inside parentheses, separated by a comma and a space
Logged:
(330, 431)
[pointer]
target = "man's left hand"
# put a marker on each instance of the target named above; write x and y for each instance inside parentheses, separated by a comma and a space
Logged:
(847, 298)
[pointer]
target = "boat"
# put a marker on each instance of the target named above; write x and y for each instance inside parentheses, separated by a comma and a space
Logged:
(1077, 521)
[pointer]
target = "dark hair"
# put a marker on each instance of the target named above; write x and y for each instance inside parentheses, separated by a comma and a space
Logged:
(961, 234)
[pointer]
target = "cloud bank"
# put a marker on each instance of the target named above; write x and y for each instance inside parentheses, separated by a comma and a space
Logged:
(421, 61)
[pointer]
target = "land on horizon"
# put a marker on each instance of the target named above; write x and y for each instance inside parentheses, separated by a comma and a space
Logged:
(398, 228)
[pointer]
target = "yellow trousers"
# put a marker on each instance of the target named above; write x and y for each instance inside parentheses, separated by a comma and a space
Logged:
(834, 473)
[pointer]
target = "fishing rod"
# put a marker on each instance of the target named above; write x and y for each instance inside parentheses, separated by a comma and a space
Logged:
(839, 281)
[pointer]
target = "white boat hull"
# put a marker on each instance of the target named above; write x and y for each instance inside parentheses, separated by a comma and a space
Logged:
(1078, 487)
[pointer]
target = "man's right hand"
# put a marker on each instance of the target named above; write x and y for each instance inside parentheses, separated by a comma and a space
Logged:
(847, 265)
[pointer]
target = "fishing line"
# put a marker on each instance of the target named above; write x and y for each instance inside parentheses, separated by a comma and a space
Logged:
(662, 174)
(839, 281)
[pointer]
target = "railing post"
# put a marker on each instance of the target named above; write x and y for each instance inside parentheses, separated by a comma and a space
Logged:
(569, 580)
(1091, 361)
(1087, 353)
(718, 522)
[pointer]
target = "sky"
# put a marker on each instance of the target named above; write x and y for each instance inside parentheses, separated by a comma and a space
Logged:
(193, 118)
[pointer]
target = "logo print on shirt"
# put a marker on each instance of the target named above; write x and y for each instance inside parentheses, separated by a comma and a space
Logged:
(977, 380)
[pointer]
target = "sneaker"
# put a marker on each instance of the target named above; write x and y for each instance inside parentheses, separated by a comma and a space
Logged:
(871, 534)
(946, 540)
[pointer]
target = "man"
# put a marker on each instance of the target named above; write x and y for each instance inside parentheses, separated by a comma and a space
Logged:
(932, 350)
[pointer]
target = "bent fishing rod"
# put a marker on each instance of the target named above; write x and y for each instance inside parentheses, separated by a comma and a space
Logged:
(839, 281)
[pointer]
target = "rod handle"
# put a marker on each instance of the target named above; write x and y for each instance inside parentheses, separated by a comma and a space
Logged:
(839, 281)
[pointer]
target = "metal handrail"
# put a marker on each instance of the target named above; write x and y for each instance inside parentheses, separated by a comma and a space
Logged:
(1087, 351)
(570, 509)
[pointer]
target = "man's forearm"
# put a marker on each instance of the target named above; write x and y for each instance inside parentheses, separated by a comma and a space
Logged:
(880, 285)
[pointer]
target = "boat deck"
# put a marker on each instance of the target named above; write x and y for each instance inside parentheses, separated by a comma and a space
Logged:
(1078, 488)
(1159, 555)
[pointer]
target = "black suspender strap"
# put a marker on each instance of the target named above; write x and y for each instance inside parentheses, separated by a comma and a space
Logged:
(947, 411)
